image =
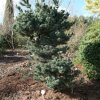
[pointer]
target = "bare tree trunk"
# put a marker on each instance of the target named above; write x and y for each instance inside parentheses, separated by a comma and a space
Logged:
(8, 22)
(12, 41)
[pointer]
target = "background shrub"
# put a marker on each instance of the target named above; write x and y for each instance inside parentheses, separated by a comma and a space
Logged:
(20, 41)
(89, 52)
(2, 45)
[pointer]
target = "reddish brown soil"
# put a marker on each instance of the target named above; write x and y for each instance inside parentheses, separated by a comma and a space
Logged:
(13, 87)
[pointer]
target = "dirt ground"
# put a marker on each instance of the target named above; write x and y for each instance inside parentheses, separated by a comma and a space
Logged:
(14, 87)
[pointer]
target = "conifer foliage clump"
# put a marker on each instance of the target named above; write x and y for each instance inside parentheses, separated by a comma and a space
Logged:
(45, 26)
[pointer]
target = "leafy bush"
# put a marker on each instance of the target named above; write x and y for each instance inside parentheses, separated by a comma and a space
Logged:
(2, 45)
(20, 41)
(89, 52)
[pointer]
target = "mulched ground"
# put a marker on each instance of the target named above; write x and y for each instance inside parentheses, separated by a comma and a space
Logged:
(14, 87)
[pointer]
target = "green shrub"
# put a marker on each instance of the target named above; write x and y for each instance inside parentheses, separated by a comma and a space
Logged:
(89, 52)
(2, 45)
(20, 41)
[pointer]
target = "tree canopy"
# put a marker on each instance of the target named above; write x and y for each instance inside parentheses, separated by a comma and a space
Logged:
(93, 6)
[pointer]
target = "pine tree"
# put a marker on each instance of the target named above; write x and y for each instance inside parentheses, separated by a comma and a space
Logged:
(45, 26)
(8, 21)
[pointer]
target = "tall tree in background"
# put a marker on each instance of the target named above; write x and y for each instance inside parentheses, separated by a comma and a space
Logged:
(93, 6)
(8, 22)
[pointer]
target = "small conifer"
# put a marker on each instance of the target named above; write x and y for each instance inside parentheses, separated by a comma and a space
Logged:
(45, 26)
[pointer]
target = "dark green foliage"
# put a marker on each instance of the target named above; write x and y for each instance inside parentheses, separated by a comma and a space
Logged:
(92, 63)
(45, 26)
(2, 45)
(89, 52)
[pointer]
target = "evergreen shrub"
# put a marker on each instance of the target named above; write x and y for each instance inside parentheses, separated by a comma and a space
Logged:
(2, 45)
(89, 52)
(45, 26)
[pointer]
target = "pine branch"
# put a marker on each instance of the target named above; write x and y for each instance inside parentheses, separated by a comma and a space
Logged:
(19, 8)
(22, 4)
(25, 1)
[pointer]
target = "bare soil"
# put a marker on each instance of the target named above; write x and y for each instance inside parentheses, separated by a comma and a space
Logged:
(14, 87)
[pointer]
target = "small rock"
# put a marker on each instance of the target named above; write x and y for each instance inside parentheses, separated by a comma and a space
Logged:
(37, 93)
(27, 92)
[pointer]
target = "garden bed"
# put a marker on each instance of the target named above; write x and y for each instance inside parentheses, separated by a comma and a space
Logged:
(13, 87)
